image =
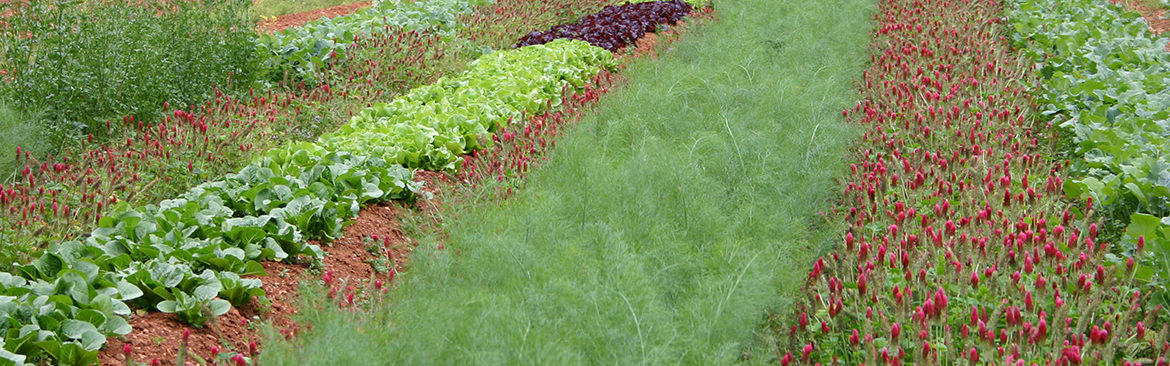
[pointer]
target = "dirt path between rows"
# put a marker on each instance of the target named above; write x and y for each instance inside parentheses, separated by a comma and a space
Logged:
(294, 20)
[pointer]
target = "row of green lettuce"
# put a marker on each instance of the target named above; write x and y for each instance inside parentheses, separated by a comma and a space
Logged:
(431, 126)
(187, 255)
(1106, 84)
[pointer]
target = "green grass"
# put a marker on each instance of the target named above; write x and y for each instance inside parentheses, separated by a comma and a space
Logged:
(18, 130)
(272, 8)
(661, 231)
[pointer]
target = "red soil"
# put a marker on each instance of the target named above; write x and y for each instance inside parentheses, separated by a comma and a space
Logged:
(293, 20)
(158, 335)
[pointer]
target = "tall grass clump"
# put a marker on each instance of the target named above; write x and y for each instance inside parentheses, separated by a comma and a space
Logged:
(16, 132)
(87, 62)
(661, 230)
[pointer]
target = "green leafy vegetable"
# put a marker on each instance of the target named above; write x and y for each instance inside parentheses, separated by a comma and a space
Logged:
(1104, 78)
(429, 127)
(64, 304)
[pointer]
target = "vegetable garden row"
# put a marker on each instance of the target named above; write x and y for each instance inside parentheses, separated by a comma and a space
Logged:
(658, 230)
(162, 152)
(962, 246)
(283, 88)
(187, 255)
(1008, 202)
(1103, 79)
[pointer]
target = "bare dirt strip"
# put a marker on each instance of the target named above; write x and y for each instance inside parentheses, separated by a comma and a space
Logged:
(294, 20)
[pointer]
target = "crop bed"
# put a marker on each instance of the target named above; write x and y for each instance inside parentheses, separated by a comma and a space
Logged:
(282, 22)
(1007, 202)
(1103, 77)
(617, 252)
(197, 256)
(960, 247)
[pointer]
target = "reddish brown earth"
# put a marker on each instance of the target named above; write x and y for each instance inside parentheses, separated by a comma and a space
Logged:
(293, 20)
(1152, 14)
(158, 335)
